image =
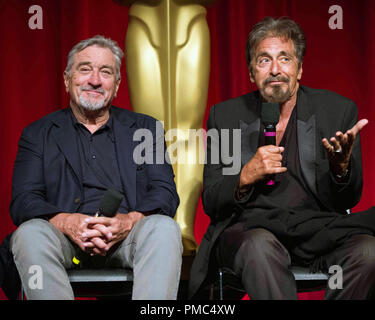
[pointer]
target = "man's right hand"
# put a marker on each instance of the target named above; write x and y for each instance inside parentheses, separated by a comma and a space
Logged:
(266, 162)
(73, 225)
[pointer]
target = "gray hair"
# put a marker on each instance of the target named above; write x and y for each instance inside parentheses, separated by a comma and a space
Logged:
(282, 27)
(99, 41)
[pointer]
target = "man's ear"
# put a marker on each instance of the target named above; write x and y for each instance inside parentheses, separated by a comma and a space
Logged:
(117, 86)
(251, 75)
(66, 81)
(299, 74)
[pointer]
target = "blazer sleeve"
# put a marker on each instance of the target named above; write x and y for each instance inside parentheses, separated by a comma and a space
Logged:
(347, 195)
(161, 196)
(28, 185)
(218, 197)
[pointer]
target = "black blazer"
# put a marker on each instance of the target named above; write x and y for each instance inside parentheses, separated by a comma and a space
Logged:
(320, 114)
(47, 176)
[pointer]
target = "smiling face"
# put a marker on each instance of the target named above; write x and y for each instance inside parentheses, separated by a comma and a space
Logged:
(275, 69)
(92, 83)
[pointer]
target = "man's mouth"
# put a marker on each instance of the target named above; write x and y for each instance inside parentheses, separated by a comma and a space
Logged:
(276, 81)
(93, 92)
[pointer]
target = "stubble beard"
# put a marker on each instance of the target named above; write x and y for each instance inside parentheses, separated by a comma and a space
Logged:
(277, 94)
(91, 104)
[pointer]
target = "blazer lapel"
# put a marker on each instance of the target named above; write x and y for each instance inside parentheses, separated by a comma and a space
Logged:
(306, 136)
(250, 128)
(249, 139)
(124, 130)
(66, 140)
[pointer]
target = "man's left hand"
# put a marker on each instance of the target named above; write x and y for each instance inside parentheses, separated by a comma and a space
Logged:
(339, 148)
(114, 229)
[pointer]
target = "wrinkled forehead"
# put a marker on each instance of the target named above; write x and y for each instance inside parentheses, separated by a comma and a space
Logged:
(95, 55)
(275, 45)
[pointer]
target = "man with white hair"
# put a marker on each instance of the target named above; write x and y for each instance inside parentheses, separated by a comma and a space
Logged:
(65, 163)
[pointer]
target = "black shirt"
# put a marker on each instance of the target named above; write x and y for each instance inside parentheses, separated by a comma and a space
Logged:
(290, 190)
(99, 166)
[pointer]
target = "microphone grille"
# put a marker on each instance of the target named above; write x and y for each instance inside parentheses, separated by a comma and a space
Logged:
(110, 202)
(270, 113)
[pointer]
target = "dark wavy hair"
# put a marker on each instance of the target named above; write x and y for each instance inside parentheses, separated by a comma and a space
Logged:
(282, 27)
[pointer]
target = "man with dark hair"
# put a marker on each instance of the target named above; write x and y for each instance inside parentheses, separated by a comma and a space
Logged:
(65, 163)
(259, 230)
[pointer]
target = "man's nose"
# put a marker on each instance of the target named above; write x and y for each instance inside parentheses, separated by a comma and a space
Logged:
(275, 68)
(94, 79)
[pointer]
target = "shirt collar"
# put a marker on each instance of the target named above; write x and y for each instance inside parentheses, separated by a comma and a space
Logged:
(107, 126)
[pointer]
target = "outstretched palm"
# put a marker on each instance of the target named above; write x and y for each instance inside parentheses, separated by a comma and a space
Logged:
(339, 148)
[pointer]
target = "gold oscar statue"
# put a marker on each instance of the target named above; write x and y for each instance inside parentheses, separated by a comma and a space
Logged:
(168, 65)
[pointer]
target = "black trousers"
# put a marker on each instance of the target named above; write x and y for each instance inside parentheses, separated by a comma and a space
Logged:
(263, 264)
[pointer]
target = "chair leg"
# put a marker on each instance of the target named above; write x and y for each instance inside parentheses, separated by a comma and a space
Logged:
(211, 295)
(22, 293)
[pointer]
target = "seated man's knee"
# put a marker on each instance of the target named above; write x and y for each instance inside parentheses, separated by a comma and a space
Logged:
(164, 224)
(164, 230)
(260, 243)
(364, 253)
(31, 236)
(28, 231)
(258, 239)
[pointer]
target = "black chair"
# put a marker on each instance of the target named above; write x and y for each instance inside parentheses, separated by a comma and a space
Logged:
(228, 281)
(230, 284)
(107, 282)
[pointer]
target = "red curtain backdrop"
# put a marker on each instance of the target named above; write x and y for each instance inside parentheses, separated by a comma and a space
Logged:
(32, 64)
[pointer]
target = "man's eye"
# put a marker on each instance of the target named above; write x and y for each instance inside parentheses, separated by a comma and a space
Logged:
(263, 60)
(285, 59)
(107, 72)
(84, 70)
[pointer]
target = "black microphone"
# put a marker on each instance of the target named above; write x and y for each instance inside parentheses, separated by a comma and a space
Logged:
(270, 115)
(109, 203)
(108, 206)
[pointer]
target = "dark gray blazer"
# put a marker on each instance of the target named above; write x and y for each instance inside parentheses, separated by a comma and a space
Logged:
(320, 113)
